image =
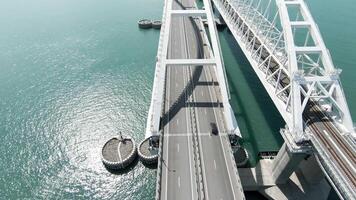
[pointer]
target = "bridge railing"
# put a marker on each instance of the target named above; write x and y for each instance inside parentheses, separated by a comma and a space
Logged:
(150, 121)
(152, 126)
(230, 155)
(334, 175)
(159, 168)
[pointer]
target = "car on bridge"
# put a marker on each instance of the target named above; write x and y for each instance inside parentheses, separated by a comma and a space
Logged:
(214, 129)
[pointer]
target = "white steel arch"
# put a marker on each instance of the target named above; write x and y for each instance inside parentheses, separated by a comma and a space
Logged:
(285, 48)
(314, 76)
(292, 72)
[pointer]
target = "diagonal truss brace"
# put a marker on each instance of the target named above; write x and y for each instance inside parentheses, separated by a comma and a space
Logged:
(310, 86)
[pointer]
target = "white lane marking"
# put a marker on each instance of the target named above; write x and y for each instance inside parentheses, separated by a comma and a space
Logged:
(215, 164)
(183, 134)
(177, 122)
(339, 150)
(177, 147)
(221, 142)
(200, 148)
(167, 153)
(179, 181)
(202, 93)
(188, 139)
(205, 111)
(176, 85)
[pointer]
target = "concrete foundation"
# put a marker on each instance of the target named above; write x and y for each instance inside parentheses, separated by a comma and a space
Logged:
(253, 179)
(285, 163)
(306, 183)
(298, 188)
(311, 171)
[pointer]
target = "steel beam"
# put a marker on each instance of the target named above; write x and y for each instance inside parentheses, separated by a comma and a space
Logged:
(189, 62)
(189, 13)
(219, 67)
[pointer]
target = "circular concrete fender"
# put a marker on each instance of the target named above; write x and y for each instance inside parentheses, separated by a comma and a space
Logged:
(125, 162)
(145, 23)
(146, 159)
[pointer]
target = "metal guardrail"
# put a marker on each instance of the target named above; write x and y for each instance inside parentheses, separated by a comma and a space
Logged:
(150, 122)
(228, 150)
(231, 156)
(196, 146)
(158, 65)
(330, 169)
(159, 168)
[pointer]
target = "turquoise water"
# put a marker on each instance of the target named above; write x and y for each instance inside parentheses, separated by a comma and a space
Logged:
(258, 119)
(74, 73)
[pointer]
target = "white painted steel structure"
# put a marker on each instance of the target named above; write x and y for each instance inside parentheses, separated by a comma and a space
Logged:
(313, 73)
(284, 46)
(153, 121)
(292, 73)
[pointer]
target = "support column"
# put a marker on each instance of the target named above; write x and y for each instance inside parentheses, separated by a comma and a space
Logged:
(285, 163)
(311, 170)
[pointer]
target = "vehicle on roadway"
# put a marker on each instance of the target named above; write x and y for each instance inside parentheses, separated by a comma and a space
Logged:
(214, 129)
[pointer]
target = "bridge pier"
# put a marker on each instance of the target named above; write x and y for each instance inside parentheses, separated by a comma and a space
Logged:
(285, 163)
(311, 170)
(293, 174)
(288, 158)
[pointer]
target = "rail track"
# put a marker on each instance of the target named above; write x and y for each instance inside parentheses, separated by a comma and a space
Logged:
(348, 163)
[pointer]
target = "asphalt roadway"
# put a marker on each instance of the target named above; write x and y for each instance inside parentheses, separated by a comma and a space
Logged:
(196, 164)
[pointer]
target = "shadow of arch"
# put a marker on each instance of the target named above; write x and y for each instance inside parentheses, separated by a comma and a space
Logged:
(183, 97)
(189, 88)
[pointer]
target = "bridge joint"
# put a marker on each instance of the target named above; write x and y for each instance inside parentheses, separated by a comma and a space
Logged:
(189, 13)
(308, 50)
(300, 24)
(189, 61)
(302, 146)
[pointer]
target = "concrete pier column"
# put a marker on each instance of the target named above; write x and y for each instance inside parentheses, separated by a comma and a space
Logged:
(311, 170)
(285, 163)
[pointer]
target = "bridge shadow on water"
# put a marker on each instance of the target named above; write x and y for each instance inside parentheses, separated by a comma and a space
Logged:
(260, 123)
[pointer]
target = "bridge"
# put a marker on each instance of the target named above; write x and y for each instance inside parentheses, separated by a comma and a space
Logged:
(190, 96)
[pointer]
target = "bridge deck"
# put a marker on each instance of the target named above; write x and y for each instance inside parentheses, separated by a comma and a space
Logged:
(195, 163)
